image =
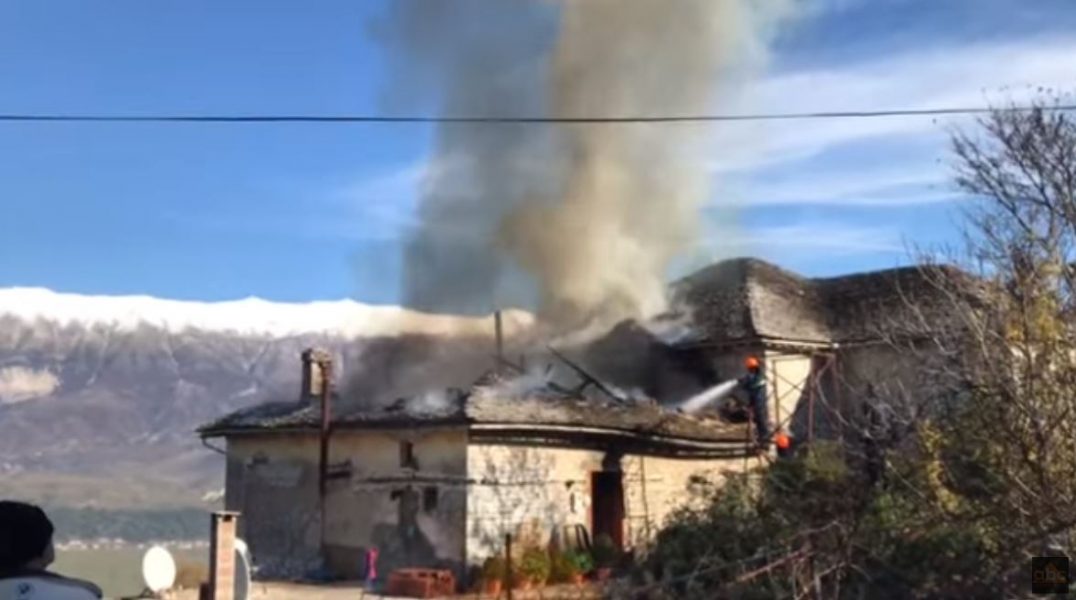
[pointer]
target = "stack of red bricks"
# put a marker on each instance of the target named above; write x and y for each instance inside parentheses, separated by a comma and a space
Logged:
(421, 583)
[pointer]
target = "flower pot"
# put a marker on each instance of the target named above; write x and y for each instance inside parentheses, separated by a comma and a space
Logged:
(576, 579)
(603, 574)
(491, 587)
(523, 584)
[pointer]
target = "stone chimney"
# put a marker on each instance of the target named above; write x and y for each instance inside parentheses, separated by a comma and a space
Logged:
(314, 362)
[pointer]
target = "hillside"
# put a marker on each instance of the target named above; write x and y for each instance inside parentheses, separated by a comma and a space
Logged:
(99, 397)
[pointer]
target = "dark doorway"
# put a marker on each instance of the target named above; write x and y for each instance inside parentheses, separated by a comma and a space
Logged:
(607, 506)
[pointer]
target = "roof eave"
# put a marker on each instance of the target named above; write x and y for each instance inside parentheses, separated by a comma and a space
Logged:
(653, 436)
(658, 437)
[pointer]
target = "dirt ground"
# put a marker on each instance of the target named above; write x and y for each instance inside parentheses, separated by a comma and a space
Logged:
(292, 591)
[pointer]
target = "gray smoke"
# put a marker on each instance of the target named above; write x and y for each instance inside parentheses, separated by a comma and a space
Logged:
(580, 221)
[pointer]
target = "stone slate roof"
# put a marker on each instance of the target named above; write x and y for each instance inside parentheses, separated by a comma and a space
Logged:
(733, 300)
(488, 406)
(747, 298)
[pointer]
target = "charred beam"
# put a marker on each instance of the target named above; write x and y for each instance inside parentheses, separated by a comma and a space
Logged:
(587, 377)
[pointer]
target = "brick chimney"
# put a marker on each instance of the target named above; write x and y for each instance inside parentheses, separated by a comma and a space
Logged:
(314, 361)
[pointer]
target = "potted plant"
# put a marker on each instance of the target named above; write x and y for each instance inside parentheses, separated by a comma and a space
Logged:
(606, 556)
(581, 564)
(493, 574)
(561, 567)
(520, 581)
(534, 565)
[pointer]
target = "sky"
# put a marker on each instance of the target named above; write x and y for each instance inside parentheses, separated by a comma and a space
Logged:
(300, 212)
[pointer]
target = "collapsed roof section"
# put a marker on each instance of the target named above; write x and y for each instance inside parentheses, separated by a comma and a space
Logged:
(513, 410)
(731, 301)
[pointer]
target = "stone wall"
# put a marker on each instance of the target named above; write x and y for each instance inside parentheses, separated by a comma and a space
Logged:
(527, 492)
(541, 494)
(449, 508)
(656, 487)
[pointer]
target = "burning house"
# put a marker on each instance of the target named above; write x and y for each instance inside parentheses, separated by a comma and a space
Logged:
(438, 479)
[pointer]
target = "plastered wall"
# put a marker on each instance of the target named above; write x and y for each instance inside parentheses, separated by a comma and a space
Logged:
(272, 482)
(413, 514)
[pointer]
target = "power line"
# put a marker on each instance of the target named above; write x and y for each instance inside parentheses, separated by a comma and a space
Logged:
(908, 112)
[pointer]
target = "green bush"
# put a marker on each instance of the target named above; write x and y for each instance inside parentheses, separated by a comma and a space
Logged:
(581, 561)
(568, 564)
(561, 568)
(900, 544)
(535, 564)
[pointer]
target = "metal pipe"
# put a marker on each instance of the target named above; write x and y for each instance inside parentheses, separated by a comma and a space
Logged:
(205, 442)
(326, 419)
(325, 365)
(509, 584)
(499, 330)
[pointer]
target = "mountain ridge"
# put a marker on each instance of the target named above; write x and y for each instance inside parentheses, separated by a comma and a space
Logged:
(112, 400)
(251, 316)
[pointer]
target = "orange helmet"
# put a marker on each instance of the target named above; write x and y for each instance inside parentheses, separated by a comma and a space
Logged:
(782, 441)
(751, 362)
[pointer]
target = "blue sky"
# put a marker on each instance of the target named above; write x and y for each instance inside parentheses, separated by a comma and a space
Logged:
(297, 212)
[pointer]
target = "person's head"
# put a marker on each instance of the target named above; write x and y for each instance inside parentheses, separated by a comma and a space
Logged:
(752, 364)
(25, 537)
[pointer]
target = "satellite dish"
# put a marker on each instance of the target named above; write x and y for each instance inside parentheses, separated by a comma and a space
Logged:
(242, 570)
(158, 570)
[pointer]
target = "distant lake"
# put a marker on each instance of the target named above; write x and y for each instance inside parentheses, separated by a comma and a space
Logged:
(119, 570)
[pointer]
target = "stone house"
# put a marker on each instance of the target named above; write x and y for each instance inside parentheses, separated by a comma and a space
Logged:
(829, 345)
(440, 479)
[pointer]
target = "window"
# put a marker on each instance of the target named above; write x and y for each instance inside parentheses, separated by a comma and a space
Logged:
(429, 499)
(407, 455)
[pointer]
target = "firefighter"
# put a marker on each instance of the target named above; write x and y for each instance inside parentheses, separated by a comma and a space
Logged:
(754, 383)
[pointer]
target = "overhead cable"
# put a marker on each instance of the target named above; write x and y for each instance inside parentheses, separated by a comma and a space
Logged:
(784, 116)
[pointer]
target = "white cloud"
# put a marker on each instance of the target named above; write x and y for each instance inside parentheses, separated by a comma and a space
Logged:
(19, 384)
(779, 163)
(826, 237)
(970, 76)
(842, 187)
(816, 240)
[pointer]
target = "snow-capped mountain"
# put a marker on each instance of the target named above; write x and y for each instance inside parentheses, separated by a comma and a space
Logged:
(112, 388)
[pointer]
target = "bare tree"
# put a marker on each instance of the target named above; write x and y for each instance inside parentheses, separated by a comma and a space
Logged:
(981, 473)
(1004, 414)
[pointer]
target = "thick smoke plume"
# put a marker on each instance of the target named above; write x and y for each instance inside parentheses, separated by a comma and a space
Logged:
(580, 221)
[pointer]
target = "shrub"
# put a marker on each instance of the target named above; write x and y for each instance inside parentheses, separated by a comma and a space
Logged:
(561, 567)
(581, 561)
(534, 564)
